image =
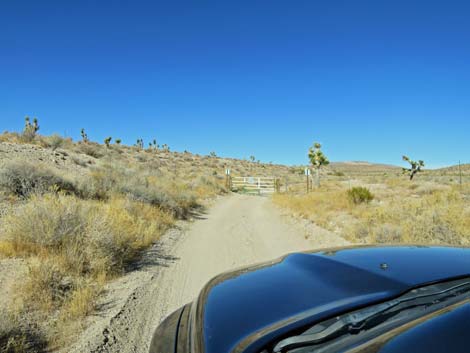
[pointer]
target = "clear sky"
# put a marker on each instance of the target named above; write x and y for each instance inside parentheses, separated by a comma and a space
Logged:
(371, 80)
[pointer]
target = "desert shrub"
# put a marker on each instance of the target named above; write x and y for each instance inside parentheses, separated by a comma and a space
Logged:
(81, 302)
(142, 158)
(91, 149)
(155, 196)
(358, 232)
(22, 179)
(338, 173)
(81, 162)
(50, 222)
(47, 286)
(359, 194)
(55, 141)
(388, 233)
(140, 186)
(16, 338)
(11, 137)
(99, 183)
(85, 237)
(208, 186)
(431, 227)
(437, 218)
(321, 207)
(430, 188)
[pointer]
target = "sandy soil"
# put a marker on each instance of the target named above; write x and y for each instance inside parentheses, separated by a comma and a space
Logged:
(238, 230)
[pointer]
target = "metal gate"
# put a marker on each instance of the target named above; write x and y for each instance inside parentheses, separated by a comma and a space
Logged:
(254, 185)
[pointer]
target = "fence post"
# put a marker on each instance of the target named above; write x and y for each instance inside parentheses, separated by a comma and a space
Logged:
(460, 175)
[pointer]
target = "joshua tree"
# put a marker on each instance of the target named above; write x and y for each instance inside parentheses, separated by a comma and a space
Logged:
(213, 154)
(84, 135)
(118, 141)
(153, 145)
(140, 143)
(318, 160)
(30, 130)
(107, 141)
(415, 167)
(252, 158)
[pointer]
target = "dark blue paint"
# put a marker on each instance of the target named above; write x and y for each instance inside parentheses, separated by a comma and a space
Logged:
(410, 264)
(303, 288)
(444, 333)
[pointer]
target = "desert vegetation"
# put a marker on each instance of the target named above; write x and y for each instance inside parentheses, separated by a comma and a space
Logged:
(77, 233)
(415, 167)
(77, 215)
(368, 203)
(317, 160)
(381, 204)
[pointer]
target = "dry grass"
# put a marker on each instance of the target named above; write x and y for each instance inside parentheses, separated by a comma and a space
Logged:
(88, 211)
(15, 337)
(402, 212)
(82, 222)
(79, 231)
(83, 212)
(74, 245)
(21, 179)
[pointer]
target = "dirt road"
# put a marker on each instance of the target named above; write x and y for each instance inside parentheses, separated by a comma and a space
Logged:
(238, 230)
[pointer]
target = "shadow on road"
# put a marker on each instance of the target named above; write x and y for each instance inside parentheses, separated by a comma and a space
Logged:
(155, 256)
(197, 213)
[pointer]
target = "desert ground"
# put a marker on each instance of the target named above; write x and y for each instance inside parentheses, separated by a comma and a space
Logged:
(99, 242)
(236, 231)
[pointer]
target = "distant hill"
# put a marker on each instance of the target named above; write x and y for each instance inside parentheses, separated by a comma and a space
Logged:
(452, 170)
(363, 167)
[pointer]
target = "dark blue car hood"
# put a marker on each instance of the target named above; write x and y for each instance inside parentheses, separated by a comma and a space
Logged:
(242, 311)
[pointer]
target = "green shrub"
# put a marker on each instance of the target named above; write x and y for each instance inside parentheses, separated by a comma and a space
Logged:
(359, 194)
(22, 179)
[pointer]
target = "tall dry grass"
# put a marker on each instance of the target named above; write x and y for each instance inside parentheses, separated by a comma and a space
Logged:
(78, 231)
(73, 247)
(402, 212)
(79, 213)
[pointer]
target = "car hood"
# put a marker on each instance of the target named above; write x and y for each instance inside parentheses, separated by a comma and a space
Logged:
(242, 311)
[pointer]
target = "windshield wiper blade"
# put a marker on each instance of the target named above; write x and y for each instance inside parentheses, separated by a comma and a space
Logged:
(358, 321)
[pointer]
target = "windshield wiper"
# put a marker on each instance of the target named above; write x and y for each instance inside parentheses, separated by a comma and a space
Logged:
(361, 320)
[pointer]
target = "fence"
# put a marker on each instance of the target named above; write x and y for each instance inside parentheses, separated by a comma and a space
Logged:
(254, 185)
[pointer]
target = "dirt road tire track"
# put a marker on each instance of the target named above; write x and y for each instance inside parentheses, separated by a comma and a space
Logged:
(238, 230)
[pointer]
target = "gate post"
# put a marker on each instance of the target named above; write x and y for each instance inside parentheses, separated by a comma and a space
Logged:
(228, 179)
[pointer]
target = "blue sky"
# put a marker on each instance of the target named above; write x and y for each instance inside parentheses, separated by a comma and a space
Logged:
(371, 80)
